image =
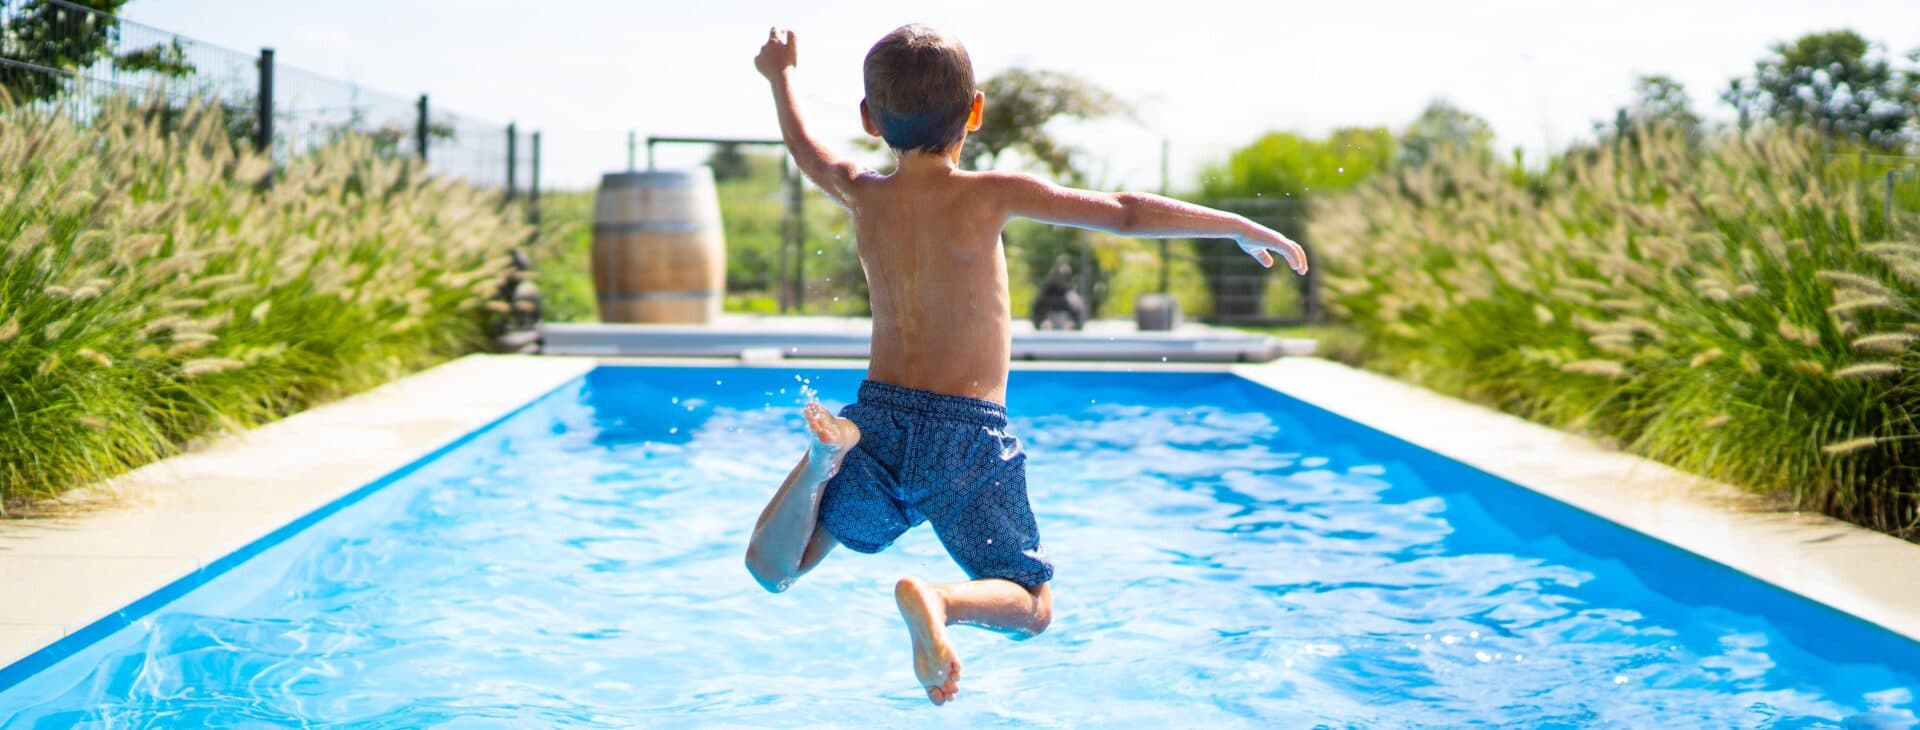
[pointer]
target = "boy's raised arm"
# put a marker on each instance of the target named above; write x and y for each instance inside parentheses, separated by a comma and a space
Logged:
(1143, 215)
(827, 170)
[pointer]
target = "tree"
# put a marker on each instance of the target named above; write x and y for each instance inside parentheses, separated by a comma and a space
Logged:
(1443, 125)
(1020, 104)
(56, 37)
(1284, 163)
(1271, 181)
(1835, 82)
(1658, 101)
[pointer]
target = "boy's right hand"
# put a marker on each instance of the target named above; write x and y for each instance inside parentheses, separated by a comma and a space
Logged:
(1263, 243)
(777, 55)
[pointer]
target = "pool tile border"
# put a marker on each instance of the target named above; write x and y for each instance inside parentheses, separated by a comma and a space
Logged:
(1869, 575)
(171, 523)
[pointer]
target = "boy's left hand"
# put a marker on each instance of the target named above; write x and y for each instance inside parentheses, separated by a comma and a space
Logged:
(1267, 242)
(777, 55)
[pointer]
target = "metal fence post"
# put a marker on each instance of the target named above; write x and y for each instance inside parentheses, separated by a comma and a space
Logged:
(795, 201)
(420, 129)
(533, 187)
(513, 140)
(1166, 258)
(263, 113)
(782, 283)
(1887, 207)
(263, 124)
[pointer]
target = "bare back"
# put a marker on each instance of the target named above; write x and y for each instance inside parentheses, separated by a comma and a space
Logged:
(937, 279)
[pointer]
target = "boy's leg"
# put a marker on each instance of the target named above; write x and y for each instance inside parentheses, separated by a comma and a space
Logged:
(990, 603)
(788, 539)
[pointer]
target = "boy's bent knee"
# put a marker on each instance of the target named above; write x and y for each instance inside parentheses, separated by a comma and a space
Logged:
(1042, 609)
(769, 577)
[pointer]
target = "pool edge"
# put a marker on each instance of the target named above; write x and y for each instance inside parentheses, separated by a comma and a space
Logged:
(1859, 572)
(351, 447)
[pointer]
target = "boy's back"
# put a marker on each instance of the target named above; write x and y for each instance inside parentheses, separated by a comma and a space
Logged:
(929, 239)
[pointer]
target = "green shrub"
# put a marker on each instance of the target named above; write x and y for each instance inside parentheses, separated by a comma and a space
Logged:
(563, 257)
(153, 290)
(1737, 308)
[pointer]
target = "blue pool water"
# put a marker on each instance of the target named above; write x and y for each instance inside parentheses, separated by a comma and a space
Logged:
(1226, 556)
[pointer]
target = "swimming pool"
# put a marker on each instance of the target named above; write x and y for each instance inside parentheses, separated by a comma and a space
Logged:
(1226, 555)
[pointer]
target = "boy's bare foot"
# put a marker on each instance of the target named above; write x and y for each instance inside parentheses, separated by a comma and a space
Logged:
(933, 659)
(832, 437)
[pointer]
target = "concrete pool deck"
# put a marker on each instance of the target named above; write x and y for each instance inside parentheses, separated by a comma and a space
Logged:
(169, 521)
(765, 338)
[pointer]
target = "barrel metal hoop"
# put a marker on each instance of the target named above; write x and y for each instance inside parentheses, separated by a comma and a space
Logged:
(644, 296)
(656, 179)
(652, 227)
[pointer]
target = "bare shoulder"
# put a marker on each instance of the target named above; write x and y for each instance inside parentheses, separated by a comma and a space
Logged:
(855, 180)
(1015, 190)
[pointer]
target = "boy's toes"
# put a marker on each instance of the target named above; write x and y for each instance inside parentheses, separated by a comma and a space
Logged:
(936, 695)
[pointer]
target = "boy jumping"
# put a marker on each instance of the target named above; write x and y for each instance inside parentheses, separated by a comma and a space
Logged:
(927, 439)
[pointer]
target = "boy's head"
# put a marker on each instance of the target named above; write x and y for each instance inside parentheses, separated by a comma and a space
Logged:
(920, 95)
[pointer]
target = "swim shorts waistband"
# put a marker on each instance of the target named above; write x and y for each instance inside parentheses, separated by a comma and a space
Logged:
(940, 405)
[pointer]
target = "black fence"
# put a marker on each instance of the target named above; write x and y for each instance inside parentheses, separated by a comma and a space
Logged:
(60, 56)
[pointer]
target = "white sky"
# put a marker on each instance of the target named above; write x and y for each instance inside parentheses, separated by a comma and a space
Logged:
(1208, 75)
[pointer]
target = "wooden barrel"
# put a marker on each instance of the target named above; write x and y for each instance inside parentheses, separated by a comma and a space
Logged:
(658, 253)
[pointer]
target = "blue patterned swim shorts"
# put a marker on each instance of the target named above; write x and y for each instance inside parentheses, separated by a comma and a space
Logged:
(945, 459)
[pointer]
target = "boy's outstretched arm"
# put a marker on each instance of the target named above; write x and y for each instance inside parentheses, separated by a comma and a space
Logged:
(1142, 215)
(827, 170)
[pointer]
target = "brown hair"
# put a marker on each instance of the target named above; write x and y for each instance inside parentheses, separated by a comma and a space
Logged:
(919, 89)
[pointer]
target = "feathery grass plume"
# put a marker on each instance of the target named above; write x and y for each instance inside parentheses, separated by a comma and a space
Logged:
(1809, 367)
(1802, 335)
(1603, 368)
(1889, 342)
(1859, 302)
(10, 328)
(1867, 370)
(1850, 446)
(209, 366)
(1863, 284)
(1716, 421)
(1901, 257)
(88, 353)
(1705, 356)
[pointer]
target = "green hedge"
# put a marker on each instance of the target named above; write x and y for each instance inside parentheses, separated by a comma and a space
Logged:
(1739, 308)
(154, 290)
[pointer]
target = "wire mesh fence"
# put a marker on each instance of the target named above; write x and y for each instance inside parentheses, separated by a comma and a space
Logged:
(60, 56)
(1900, 202)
